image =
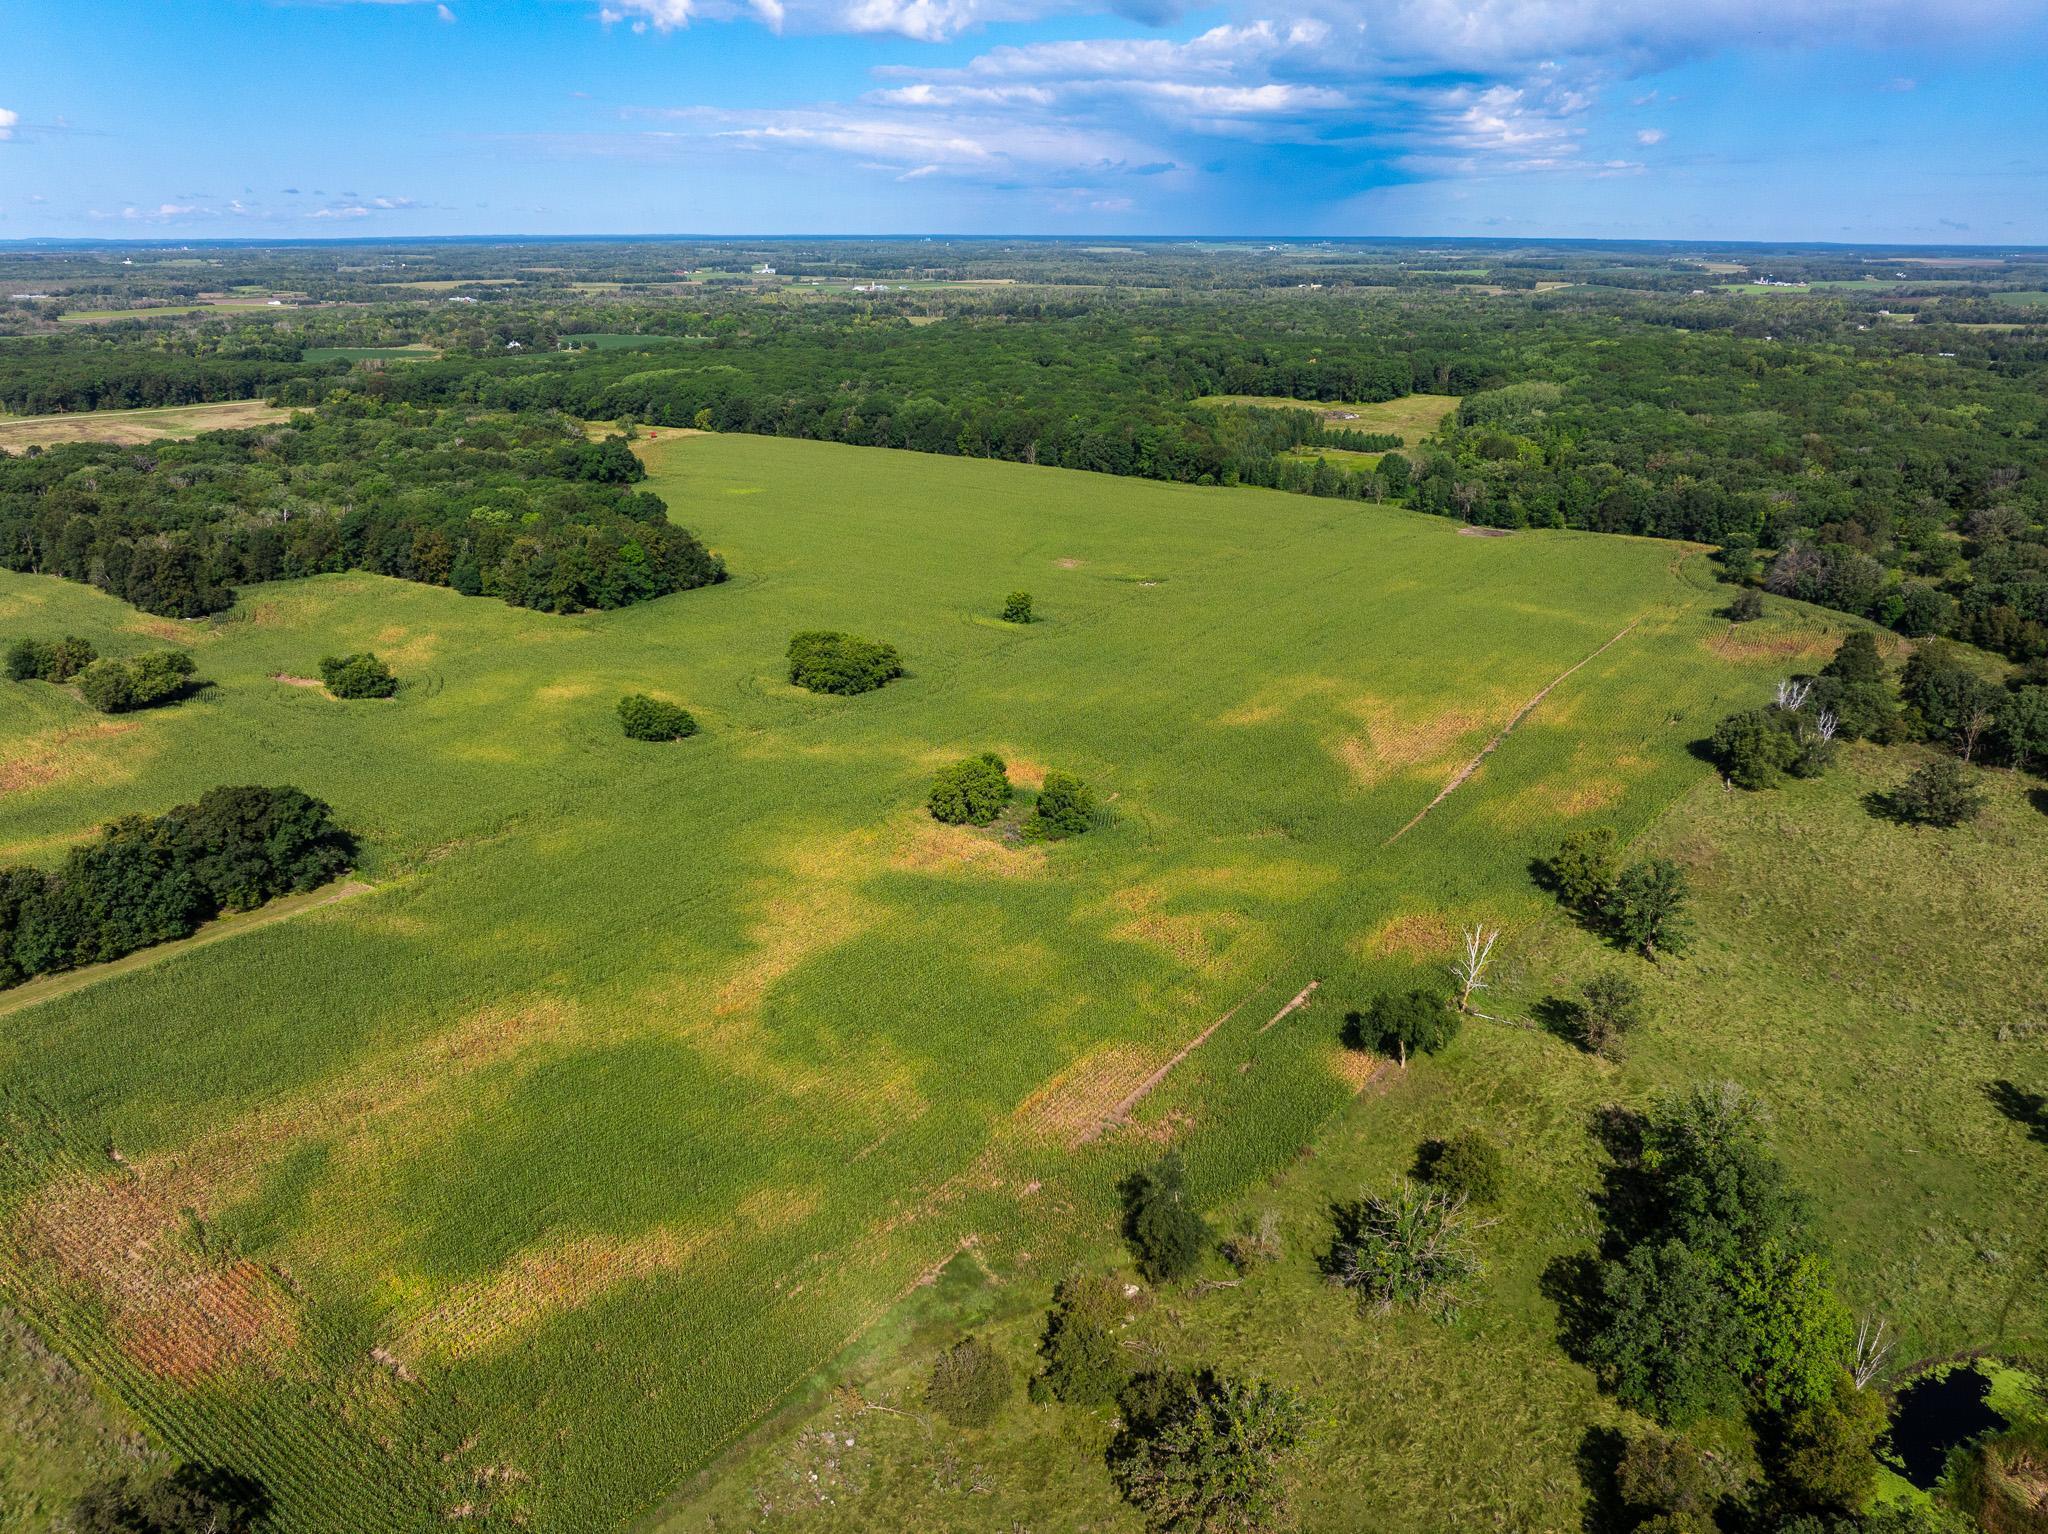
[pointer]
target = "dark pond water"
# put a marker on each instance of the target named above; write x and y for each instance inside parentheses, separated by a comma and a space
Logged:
(1934, 1414)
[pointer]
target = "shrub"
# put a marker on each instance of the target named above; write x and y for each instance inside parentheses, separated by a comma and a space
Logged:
(1943, 793)
(971, 792)
(1998, 1481)
(1611, 1006)
(1400, 1250)
(194, 1499)
(117, 686)
(31, 660)
(1166, 1234)
(1066, 807)
(1017, 607)
(1399, 1021)
(645, 718)
(1084, 1366)
(823, 661)
(1824, 1459)
(1467, 1166)
(970, 1384)
(1667, 1483)
(1205, 1452)
(1255, 1241)
(361, 675)
(1747, 607)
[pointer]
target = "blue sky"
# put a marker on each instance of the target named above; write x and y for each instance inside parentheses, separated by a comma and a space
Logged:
(1885, 120)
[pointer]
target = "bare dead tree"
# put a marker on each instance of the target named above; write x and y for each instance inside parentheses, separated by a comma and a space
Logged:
(1872, 1349)
(1825, 724)
(1792, 696)
(1470, 971)
(1973, 725)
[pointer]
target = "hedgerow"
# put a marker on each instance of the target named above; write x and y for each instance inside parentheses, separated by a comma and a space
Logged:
(149, 879)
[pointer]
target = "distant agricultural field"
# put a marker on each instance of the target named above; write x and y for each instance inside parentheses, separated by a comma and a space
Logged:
(1414, 416)
(646, 1078)
(130, 426)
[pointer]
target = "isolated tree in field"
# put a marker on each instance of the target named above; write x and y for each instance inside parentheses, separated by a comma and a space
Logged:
(1755, 747)
(1943, 793)
(1200, 1453)
(360, 675)
(1646, 909)
(821, 660)
(971, 792)
(1397, 1022)
(60, 660)
(144, 681)
(1084, 1363)
(1747, 607)
(1402, 1249)
(1581, 871)
(1856, 659)
(1066, 806)
(1467, 1166)
(645, 718)
(970, 1384)
(1017, 607)
(1166, 1233)
(1470, 970)
(1611, 1006)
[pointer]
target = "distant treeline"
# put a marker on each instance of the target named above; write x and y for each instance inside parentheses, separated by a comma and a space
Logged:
(522, 508)
(149, 879)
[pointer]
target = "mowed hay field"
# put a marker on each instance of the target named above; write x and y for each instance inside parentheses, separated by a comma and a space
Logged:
(127, 427)
(648, 1077)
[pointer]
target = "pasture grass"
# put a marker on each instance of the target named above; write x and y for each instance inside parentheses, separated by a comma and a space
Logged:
(128, 427)
(1873, 982)
(650, 1078)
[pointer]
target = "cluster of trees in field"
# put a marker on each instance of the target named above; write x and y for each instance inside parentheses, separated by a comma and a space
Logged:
(109, 685)
(1940, 697)
(151, 878)
(94, 372)
(523, 508)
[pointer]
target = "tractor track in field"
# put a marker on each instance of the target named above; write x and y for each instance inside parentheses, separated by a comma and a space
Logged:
(1458, 778)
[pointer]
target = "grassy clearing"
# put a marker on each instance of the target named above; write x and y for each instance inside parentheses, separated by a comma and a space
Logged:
(103, 316)
(1873, 982)
(518, 1189)
(1414, 416)
(606, 341)
(56, 1435)
(413, 353)
(131, 426)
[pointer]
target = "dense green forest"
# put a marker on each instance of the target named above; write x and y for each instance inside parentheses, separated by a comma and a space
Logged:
(525, 508)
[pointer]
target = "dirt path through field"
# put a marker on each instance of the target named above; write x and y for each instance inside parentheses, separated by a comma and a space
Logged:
(52, 986)
(1138, 1094)
(1466, 771)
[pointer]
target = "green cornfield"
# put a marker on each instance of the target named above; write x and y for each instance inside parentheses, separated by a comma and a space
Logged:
(646, 1078)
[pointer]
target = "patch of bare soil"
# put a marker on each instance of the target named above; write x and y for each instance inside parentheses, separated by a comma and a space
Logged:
(1485, 532)
(297, 681)
(1507, 729)
(1416, 936)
